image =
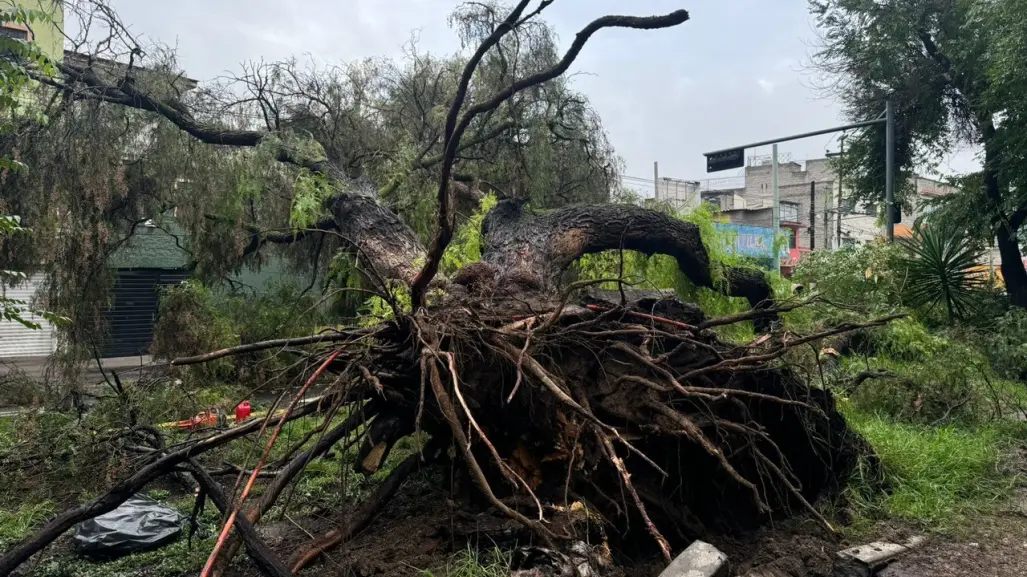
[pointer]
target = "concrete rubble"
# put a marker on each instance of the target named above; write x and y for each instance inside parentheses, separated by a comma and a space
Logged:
(869, 559)
(700, 559)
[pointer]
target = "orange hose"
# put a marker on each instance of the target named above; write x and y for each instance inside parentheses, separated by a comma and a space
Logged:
(260, 464)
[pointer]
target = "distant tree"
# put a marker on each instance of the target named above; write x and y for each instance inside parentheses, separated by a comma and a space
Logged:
(287, 136)
(954, 71)
(18, 58)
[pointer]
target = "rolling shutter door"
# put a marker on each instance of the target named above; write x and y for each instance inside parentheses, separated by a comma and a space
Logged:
(130, 321)
(16, 340)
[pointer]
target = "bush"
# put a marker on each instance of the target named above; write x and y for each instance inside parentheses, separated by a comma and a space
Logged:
(931, 377)
(193, 320)
(940, 262)
(18, 389)
(189, 323)
(1005, 342)
(868, 275)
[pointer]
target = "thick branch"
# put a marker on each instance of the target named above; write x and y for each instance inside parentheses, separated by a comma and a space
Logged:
(262, 555)
(445, 217)
(542, 246)
(126, 94)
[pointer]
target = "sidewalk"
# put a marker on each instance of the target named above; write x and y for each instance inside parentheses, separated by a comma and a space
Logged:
(126, 367)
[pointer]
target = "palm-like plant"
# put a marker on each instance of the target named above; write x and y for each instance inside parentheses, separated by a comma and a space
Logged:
(940, 263)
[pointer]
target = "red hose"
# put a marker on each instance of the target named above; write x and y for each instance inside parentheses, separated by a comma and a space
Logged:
(260, 464)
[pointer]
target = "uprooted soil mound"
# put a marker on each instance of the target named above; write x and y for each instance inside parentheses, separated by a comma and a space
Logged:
(627, 424)
(638, 415)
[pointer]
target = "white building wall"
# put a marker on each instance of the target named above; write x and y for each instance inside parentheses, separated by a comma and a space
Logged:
(18, 341)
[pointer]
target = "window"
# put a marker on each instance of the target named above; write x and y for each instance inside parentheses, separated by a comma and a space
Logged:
(791, 238)
(789, 212)
(8, 31)
(15, 32)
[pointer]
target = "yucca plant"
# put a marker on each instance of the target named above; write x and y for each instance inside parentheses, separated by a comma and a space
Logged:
(940, 264)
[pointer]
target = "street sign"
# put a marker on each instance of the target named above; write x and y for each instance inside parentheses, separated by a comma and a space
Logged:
(725, 160)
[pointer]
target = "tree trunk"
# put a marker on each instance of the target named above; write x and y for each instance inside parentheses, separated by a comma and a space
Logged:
(1013, 272)
(538, 248)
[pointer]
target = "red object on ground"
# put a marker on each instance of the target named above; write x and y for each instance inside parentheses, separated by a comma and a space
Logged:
(204, 419)
(242, 411)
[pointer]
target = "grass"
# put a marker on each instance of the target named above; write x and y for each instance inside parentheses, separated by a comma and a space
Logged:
(473, 563)
(17, 523)
(936, 476)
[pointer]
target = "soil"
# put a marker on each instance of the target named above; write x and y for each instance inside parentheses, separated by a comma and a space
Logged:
(422, 528)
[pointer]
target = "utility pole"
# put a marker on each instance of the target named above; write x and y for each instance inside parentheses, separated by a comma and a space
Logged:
(734, 157)
(889, 168)
(827, 218)
(841, 191)
(777, 207)
(656, 180)
(812, 216)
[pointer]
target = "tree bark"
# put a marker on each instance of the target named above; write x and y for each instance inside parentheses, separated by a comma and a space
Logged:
(1014, 273)
(540, 247)
(384, 245)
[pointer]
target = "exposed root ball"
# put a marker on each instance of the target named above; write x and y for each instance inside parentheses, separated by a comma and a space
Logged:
(637, 413)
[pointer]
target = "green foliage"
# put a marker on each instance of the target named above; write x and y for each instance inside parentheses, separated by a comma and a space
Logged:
(467, 240)
(867, 275)
(662, 272)
(1005, 343)
(15, 76)
(954, 72)
(308, 204)
(933, 376)
(189, 323)
(938, 476)
(473, 563)
(193, 319)
(24, 59)
(19, 390)
(18, 522)
(940, 263)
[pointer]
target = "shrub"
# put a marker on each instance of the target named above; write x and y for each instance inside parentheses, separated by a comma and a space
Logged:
(940, 262)
(867, 276)
(193, 320)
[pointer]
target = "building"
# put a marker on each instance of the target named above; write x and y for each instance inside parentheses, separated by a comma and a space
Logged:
(680, 194)
(809, 196)
(47, 36)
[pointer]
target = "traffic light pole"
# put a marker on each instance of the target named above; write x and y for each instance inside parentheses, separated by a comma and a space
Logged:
(889, 169)
(888, 119)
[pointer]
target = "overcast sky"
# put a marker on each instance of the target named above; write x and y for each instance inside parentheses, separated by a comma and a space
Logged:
(735, 73)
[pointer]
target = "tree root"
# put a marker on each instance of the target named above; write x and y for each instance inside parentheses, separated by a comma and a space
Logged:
(536, 407)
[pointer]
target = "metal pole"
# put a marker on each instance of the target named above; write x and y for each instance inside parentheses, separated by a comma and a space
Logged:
(803, 135)
(777, 207)
(827, 218)
(889, 168)
(812, 216)
(841, 191)
(656, 180)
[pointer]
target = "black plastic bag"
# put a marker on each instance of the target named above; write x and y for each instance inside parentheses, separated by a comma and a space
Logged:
(139, 524)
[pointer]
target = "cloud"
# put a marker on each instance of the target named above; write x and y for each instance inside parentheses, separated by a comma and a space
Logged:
(766, 85)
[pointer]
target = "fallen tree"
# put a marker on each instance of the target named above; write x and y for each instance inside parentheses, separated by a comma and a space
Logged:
(541, 393)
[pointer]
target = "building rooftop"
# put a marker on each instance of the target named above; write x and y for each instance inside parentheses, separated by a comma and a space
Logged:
(80, 59)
